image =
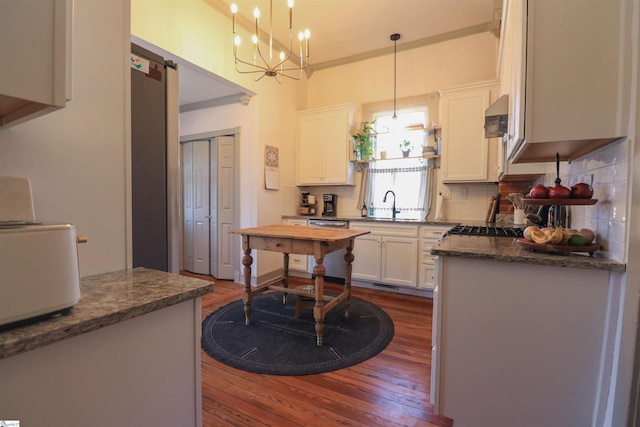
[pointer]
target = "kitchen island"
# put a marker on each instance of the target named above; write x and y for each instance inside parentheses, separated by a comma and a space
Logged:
(533, 334)
(314, 241)
(127, 354)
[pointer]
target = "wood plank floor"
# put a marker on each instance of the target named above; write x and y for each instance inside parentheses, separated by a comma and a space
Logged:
(390, 389)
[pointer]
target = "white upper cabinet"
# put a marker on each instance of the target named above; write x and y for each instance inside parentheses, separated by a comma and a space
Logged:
(512, 47)
(35, 78)
(564, 66)
(467, 156)
(324, 148)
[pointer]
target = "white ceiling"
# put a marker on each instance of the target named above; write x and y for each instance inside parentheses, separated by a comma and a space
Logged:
(343, 31)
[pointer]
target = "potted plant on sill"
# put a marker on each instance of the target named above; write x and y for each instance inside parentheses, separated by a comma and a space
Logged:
(364, 140)
(406, 148)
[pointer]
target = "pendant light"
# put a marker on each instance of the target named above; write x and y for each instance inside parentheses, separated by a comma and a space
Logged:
(394, 37)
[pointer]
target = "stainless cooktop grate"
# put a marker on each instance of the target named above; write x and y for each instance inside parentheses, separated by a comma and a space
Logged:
(472, 230)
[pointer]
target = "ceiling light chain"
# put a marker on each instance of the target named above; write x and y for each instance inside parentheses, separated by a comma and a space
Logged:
(260, 65)
(395, 37)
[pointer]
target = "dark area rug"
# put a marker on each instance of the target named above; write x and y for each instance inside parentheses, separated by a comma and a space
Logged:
(277, 344)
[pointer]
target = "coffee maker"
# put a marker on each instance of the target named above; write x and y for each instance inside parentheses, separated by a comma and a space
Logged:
(330, 204)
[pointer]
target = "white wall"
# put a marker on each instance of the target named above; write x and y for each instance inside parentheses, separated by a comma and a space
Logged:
(251, 179)
(77, 157)
(419, 71)
(206, 43)
(197, 33)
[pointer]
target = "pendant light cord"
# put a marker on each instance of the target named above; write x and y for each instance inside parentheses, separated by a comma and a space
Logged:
(395, 38)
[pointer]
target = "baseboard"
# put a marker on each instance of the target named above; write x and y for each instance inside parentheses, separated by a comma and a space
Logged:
(426, 293)
(299, 273)
(262, 279)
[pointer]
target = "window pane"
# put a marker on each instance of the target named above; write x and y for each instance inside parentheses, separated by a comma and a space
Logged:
(392, 132)
(392, 174)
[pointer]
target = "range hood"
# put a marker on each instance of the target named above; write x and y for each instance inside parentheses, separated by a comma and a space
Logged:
(496, 118)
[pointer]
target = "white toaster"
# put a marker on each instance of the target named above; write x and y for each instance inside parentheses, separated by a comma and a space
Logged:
(39, 271)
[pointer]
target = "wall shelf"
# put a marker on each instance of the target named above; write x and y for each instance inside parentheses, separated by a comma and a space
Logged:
(431, 156)
(437, 130)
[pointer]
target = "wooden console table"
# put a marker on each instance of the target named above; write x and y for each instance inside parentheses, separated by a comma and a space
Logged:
(303, 240)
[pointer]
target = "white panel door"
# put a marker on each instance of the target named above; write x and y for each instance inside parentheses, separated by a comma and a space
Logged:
(187, 197)
(201, 214)
(222, 206)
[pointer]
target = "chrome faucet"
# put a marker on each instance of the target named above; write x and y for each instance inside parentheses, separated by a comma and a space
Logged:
(393, 208)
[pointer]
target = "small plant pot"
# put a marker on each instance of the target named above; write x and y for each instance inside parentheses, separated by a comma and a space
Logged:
(383, 155)
(406, 153)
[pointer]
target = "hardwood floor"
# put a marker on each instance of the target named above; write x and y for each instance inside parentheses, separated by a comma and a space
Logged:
(390, 389)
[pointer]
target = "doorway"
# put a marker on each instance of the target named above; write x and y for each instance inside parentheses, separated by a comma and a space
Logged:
(208, 200)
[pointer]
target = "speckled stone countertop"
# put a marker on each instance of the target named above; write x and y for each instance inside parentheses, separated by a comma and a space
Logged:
(508, 250)
(450, 222)
(106, 299)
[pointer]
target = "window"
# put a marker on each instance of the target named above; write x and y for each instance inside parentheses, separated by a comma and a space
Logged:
(410, 179)
(392, 132)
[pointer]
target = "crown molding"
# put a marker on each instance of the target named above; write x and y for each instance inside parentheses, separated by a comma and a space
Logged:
(239, 98)
(439, 38)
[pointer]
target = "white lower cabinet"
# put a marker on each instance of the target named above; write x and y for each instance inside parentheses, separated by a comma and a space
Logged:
(533, 342)
(429, 236)
(297, 262)
(388, 255)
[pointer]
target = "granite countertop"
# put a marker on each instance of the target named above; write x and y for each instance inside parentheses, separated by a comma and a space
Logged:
(508, 250)
(374, 219)
(106, 299)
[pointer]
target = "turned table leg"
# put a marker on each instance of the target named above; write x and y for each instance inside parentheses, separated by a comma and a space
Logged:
(285, 275)
(247, 296)
(348, 259)
(318, 310)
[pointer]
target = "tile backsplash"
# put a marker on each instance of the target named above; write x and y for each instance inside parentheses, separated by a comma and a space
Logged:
(608, 167)
(466, 202)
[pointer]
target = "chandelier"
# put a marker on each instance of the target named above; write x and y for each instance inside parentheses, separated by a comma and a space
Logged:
(263, 63)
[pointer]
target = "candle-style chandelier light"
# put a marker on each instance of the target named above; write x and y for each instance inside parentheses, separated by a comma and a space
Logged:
(263, 63)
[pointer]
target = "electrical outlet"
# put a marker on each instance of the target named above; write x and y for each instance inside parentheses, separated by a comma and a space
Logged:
(461, 193)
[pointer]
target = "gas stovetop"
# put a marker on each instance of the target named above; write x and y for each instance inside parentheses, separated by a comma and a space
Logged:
(472, 230)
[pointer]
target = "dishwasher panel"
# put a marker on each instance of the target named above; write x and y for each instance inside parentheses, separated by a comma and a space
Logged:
(333, 262)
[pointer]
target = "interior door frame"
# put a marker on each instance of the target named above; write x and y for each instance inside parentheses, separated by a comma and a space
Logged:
(234, 132)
